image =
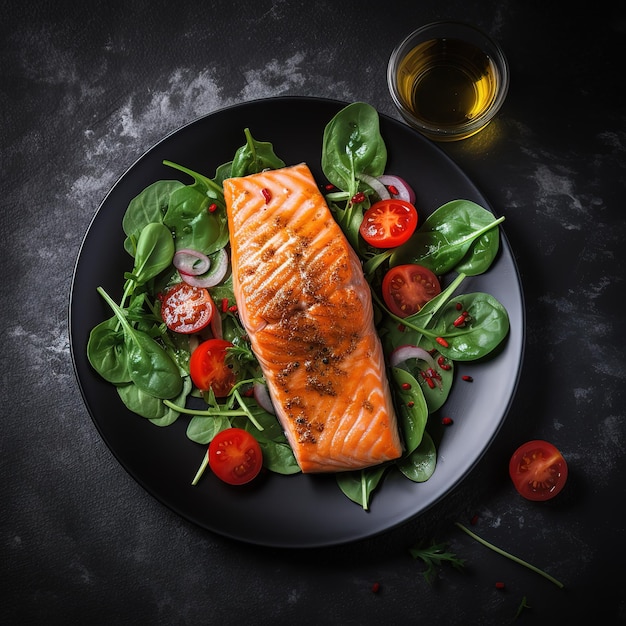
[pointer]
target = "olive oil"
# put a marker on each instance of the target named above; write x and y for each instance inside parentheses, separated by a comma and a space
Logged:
(447, 83)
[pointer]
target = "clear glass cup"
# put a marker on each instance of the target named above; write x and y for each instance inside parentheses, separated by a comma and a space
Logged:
(448, 80)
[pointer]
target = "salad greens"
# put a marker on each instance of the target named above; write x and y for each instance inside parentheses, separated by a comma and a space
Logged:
(252, 158)
(352, 146)
(192, 224)
(154, 253)
(134, 350)
(148, 207)
(459, 235)
(149, 365)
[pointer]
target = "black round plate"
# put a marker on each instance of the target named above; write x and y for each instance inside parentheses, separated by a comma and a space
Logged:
(300, 510)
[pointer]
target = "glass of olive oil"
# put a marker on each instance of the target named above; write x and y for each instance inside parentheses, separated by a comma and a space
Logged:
(448, 80)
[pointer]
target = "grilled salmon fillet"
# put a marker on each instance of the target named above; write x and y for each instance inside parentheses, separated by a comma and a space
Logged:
(306, 306)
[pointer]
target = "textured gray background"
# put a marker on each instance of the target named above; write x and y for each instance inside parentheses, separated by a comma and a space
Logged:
(86, 88)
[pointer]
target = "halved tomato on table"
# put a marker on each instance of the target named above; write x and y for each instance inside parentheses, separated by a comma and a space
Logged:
(407, 288)
(208, 368)
(388, 223)
(235, 456)
(538, 470)
(186, 309)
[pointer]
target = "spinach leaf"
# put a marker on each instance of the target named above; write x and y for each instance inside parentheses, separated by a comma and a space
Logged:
(106, 351)
(155, 251)
(254, 157)
(481, 254)
(278, 457)
(170, 416)
(420, 465)
(223, 172)
(202, 183)
(486, 327)
(146, 405)
(359, 485)
(150, 366)
(412, 409)
(176, 344)
(458, 234)
(441, 379)
(203, 428)
(351, 145)
(147, 207)
(193, 225)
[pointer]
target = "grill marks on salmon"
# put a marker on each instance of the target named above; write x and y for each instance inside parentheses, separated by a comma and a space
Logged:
(306, 306)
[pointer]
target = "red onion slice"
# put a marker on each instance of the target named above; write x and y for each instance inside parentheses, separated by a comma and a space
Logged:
(403, 353)
(194, 340)
(262, 396)
(216, 274)
(405, 192)
(376, 185)
(216, 325)
(191, 262)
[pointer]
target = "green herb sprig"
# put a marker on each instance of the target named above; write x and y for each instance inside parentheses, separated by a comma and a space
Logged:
(510, 556)
(434, 556)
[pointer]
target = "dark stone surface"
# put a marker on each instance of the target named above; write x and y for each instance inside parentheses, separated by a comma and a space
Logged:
(86, 88)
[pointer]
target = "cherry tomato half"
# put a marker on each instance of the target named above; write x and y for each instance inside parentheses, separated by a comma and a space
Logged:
(208, 368)
(235, 456)
(186, 309)
(407, 288)
(388, 223)
(538, 470)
